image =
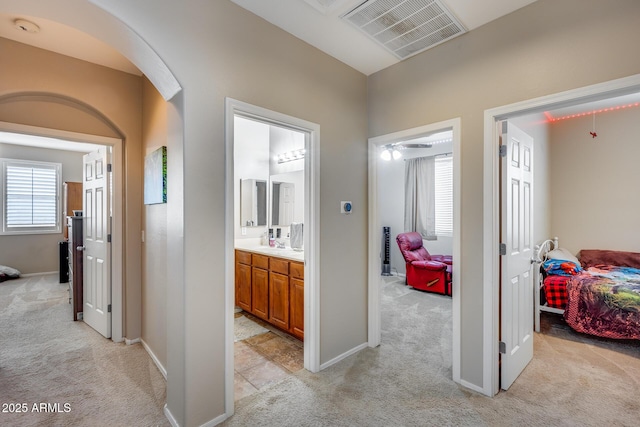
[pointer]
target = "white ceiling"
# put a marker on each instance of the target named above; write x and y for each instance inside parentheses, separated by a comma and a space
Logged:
(319, 23)
(16, 138)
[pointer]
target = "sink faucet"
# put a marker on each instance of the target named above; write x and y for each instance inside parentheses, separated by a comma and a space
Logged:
(279, 244)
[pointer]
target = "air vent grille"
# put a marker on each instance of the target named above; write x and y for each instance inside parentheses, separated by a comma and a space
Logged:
(405, 27)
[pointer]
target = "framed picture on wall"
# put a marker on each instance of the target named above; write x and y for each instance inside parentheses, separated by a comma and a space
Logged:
(155, 177)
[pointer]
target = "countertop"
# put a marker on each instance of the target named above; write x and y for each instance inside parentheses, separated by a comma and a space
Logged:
(253, 245)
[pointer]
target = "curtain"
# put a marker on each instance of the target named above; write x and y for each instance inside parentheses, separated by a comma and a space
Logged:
(419, 197)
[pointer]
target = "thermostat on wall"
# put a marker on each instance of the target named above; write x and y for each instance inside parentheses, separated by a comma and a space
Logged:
(345, 207)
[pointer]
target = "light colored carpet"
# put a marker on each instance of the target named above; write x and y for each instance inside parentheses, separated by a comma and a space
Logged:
(573, 380)
(46, 357)
(244, 328)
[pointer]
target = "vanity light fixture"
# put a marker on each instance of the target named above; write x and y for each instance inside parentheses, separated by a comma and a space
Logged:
(290, 156)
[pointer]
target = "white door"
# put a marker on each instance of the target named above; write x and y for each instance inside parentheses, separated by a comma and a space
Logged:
(516, 267)
(97, 250)
(287, 197)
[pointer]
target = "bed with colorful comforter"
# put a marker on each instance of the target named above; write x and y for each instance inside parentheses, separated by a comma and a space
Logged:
(604, 300)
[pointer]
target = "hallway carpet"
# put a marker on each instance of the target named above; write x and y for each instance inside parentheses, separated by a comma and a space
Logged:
(62, 372)
(573, 380)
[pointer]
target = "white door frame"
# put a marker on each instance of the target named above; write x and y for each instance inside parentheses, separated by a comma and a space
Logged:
(311, 241)
(491, 204)
(117, 230)
(375, 228)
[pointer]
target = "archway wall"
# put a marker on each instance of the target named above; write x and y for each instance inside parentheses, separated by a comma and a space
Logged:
(544, 48)
(45, 89)
(216, 50)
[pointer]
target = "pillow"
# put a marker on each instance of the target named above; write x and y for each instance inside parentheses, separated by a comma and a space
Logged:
(562, 253)
(8, 271)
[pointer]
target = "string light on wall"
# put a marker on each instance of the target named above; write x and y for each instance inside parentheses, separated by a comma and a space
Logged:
(290, 156)
(550, 118)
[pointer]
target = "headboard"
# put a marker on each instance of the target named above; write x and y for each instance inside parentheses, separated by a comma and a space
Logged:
(544, 247)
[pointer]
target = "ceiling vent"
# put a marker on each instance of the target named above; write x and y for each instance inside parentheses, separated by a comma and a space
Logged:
(405, 27)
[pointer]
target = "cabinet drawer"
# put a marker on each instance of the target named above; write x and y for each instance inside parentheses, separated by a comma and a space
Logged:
(280, 266)
(260, 261)
(297, 270)
(243, 257)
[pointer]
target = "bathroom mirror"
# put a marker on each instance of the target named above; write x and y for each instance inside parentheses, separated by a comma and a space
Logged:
(253, 202)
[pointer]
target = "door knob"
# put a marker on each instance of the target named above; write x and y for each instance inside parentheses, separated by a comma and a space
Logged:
(80, 248)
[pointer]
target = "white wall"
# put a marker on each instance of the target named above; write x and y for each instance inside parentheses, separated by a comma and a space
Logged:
(544, 48)
(594, 182)
(391, 203)
(251, 152)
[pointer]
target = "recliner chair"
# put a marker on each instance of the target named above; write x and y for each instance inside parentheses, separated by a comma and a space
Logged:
(431, 273)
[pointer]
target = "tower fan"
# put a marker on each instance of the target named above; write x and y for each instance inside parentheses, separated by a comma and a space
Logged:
(385, 255)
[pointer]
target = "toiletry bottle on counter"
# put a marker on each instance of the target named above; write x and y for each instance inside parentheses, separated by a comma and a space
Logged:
(272, 240)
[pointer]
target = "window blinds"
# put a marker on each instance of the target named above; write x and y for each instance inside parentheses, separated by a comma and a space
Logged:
(31, 193)
(444, 196)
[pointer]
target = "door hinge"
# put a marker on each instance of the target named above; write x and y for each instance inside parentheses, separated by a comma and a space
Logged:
(108, 238)
(502, 347)
(505, 125)
(108, 167)
(503, 150)
(503, 249)
(109, 308)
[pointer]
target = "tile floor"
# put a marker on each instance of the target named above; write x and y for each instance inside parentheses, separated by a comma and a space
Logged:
(265, 359)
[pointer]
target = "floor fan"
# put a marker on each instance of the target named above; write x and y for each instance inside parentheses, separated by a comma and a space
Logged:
(386, 259)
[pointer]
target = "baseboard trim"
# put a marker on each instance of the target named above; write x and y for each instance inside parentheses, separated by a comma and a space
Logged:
(169, 415)
(127, 341)
(473, 387)
(155, 359)
(45, 273)
(344, 355)
(214, 422)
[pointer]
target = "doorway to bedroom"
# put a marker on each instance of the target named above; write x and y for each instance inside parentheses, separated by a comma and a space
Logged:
(582, 141)
(391, 300)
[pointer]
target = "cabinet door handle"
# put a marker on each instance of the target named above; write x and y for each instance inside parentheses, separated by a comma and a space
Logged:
(80, 248)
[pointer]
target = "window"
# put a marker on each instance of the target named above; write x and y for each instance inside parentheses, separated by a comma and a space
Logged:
(30, 195)
(444, 196)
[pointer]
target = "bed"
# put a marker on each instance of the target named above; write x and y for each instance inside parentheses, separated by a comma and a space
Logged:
(597, 294)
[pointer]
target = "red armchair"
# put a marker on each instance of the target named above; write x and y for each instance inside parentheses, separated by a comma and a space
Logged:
(427, 272)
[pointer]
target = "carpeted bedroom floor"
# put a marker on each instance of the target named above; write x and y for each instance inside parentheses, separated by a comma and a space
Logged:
(573, 380)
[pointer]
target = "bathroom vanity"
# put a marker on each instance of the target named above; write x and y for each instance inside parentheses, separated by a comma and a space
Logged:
(269, 284)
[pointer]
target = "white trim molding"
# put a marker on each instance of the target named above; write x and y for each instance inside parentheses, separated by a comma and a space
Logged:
(344, 356)
(311, 242)
(374, 321)
(155, 359)
(491, 203)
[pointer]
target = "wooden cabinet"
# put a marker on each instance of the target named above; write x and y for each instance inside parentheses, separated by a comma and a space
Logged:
(243, 285)
(272, 289)
(296, 300)
(260, 292)
(74, 225)
(71, 200)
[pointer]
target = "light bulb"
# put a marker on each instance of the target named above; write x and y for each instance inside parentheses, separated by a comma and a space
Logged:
(385, 155)
(396, 154)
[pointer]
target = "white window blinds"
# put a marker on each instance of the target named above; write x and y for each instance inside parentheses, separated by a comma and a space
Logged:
(31, 194)
(444, 196)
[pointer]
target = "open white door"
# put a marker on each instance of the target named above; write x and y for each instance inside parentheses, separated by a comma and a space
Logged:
(517, 249)
(97, 251)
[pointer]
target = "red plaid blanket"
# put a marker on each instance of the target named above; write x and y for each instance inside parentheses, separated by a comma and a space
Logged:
(555, 291)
